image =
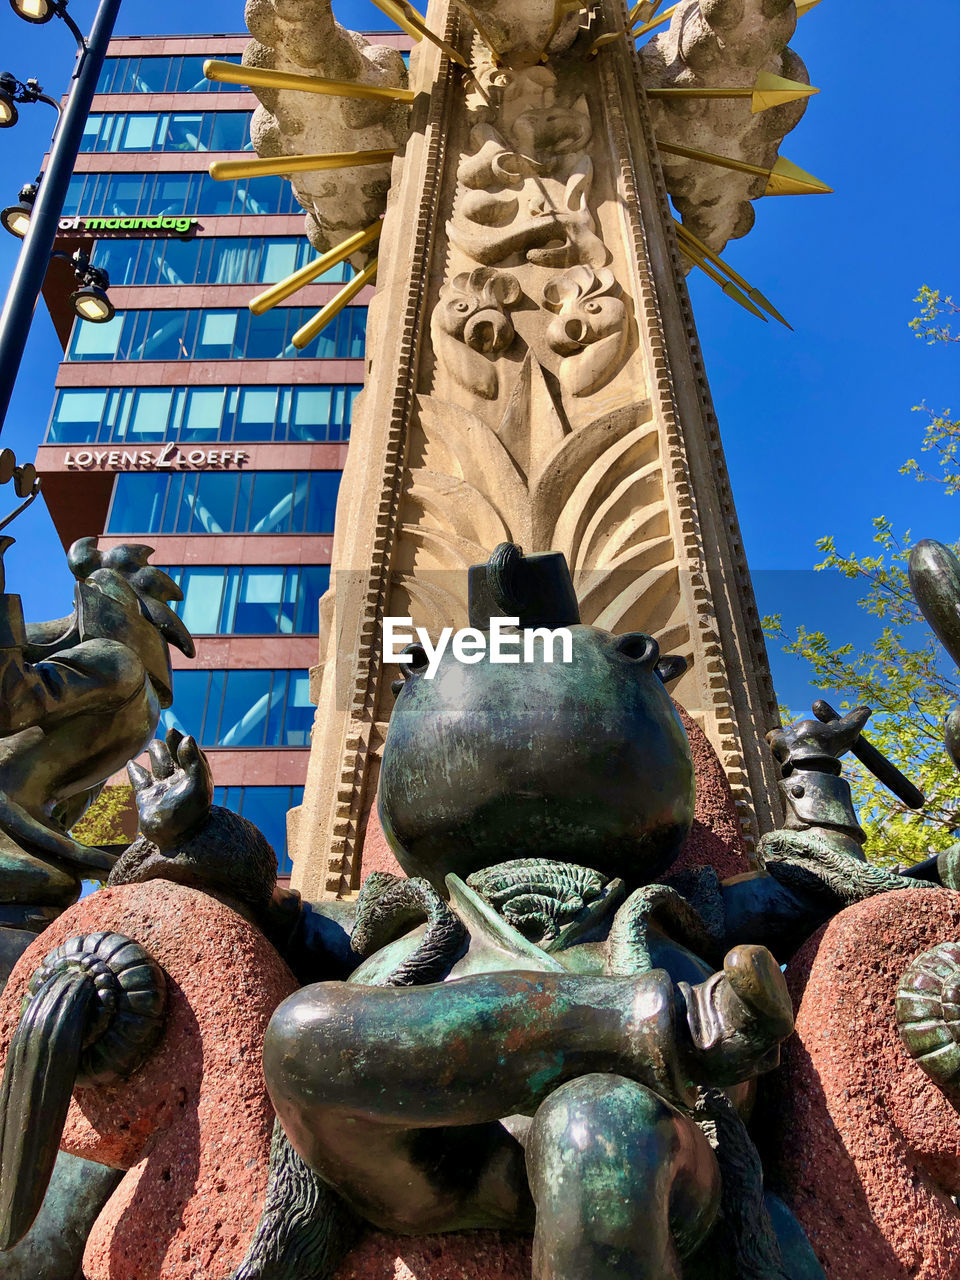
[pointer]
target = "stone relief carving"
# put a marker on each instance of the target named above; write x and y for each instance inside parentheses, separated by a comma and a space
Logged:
(470, 325)
(526, 180)
(590, 327)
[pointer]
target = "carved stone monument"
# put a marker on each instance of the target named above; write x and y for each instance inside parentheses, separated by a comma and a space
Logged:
(533, 369)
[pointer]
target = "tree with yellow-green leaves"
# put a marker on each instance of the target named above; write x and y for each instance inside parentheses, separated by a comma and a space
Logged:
(906, 678)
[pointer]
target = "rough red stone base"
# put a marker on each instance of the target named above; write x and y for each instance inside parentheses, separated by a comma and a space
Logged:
(466, 1255)
(869, 1147)
(193, 1125)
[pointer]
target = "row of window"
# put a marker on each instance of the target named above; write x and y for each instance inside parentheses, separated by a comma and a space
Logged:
(266, 808)
(250, 600)
(127, 195)
(216, 334)
(182, 73)
(239, 708)
(149, 415)
(167, 131)
(224, 502)
(211, 260)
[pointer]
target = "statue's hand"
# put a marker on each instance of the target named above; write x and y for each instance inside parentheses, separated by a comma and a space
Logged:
(738, 1017)
(175, 799)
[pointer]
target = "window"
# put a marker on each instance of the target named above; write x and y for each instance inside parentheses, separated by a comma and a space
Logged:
(128, 415)
(167, 131)
(242, 708)
(266, 808)
(216, 334)
(224, 502)
(116, 195)
(179, 74)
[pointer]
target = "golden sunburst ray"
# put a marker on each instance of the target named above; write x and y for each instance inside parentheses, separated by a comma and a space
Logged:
(292, 284)
(766, 91)
(277, 166)
(263, 78)
(784, 179)
(413, 23)
(727, 286)
(309, 331)
(655, 22)
(687, 238)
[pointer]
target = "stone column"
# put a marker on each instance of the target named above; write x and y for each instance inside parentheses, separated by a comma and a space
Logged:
(533, 375)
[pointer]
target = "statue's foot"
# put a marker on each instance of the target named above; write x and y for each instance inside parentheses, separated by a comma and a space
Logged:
(738, 1017)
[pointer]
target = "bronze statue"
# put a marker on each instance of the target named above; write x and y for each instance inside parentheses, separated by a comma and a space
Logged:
(82, 695)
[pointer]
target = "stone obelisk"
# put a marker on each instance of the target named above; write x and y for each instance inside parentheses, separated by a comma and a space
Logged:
(533, 370)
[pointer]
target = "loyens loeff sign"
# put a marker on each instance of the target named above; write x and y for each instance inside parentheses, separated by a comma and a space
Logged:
(165, 224)
(167, 458)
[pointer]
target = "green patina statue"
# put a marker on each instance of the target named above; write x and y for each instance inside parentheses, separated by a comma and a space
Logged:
(81, 695)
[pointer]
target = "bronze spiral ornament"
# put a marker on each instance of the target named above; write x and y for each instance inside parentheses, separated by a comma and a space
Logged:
(928, 1013)
(93, 1012)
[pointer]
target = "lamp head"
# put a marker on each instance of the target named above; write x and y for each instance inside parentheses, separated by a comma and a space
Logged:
(15, 218)
(90, 302)
(8, 107)
(38, 11)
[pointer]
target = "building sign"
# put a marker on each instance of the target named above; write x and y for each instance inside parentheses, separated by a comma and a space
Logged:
(168, 458)
(169, 225)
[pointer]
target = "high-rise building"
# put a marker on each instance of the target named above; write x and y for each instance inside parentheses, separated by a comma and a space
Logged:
(190, 424)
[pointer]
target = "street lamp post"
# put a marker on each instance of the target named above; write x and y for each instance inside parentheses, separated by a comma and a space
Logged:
(38, 243)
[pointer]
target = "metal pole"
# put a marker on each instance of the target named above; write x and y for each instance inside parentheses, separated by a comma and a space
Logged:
(38, 243)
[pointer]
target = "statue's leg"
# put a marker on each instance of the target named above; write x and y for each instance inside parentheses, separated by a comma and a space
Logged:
(624, 1185)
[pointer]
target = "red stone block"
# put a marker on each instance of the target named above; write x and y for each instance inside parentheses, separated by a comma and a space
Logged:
(869, 1147)
(193, 1125)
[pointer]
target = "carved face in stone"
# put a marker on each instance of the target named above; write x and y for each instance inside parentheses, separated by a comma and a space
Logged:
(584, 762)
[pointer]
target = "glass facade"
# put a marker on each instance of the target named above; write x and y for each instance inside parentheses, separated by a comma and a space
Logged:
(229, 333)
(250, 600)
(266, 808)
(224, 502)
(148, 415)
(126, 195)
(241, 708)
(213, 260)
(182, 73)
(167, 131)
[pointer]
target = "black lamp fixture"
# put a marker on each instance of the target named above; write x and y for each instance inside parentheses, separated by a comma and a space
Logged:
(9, 115)
(38, 11)
(90, 301)
(15, 218)
(13, 91)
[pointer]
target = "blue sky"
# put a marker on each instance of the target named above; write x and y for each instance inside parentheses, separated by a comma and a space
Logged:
(815, 422)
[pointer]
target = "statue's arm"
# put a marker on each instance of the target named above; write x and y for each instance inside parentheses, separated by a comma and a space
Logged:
(91, 675)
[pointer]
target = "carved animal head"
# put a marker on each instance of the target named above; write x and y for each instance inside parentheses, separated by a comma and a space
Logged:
(473, 312)
(590, 325)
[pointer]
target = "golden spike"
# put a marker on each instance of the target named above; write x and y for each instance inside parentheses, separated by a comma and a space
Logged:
(656, 22)
(784, 179)
(687, 237)
(293, 283)
(231, 73)
(602, 41)
(728, 287)
(773, 91)
(642, 11)
(804, 6)
(277, 166)
(788, 179)
(768, 91)
(407, 19)
(309, 331)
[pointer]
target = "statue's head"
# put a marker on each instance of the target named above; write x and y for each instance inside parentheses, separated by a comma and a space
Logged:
(582, 761)
(121, 596)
